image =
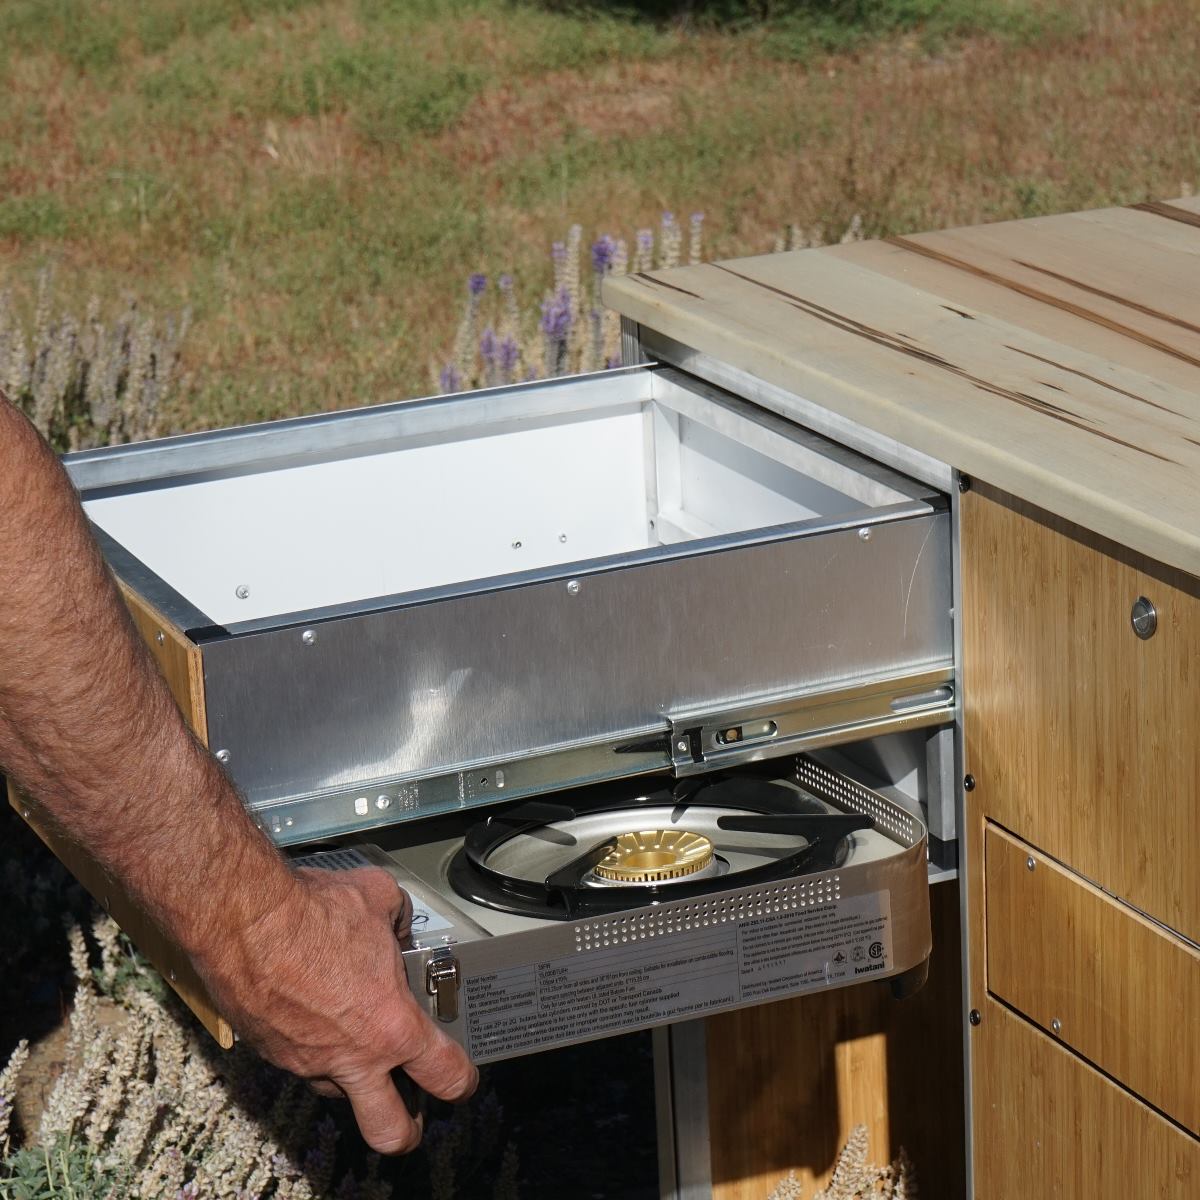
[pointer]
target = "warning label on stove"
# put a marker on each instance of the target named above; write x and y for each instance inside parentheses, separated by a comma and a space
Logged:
(672, 976)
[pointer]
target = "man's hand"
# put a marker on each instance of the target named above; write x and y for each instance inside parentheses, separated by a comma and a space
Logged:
(318, 986)
(305, 965)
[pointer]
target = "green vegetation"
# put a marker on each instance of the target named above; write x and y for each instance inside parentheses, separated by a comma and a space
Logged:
(315, 179)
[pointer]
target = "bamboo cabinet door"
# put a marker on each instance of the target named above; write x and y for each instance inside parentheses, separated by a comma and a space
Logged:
(1081, 739)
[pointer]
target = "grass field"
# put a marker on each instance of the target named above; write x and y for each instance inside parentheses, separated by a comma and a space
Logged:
(315, 180)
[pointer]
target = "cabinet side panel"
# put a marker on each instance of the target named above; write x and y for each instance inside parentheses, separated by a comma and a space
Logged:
(179, 661)
(1047, 1124)
(1081, 736)
(788, 1082)
(1112, 986)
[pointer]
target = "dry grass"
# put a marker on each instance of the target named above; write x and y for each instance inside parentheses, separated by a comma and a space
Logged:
(316, 180)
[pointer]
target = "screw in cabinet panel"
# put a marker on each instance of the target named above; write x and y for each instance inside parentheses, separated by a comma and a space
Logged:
(864, 534)
(968, 783)
(1056, 1025)
(223, 756)
(160, 637)
(308, 637)
(573, 587)
(1030, 862)
(242, 592)
(974, 1016)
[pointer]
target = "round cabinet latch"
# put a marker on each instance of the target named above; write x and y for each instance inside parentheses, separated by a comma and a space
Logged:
(1143, 618)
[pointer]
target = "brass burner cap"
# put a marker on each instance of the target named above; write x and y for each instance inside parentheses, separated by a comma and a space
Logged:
(655, 855)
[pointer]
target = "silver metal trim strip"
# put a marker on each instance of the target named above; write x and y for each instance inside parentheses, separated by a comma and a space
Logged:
(787, 404)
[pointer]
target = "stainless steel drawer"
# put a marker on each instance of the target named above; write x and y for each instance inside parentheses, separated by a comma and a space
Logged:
(444, 603)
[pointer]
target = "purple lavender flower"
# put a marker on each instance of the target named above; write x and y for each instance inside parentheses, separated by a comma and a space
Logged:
(556, 316)
(645, 239)
(509, 356)
(602, 254)
(477, 284)
(450, 380)
(505, 283)
(558, 252)
(697, 219)
(612, 362)
(488, 347)
(668, 219)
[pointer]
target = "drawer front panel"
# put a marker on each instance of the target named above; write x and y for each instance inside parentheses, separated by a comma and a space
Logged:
(1049, 1125)
(522, 670)
(1082, 736)
(1124, 993)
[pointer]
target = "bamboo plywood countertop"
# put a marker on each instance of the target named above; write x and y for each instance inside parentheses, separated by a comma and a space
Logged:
(1057, 358)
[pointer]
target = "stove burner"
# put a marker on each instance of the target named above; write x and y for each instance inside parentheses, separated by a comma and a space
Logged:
(655, 856)
(580, 887)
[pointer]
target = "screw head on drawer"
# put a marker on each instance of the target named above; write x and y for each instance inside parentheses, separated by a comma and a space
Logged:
(1143, 618)
(975, 1016)
(1030, 863)
(968, 783)
(1056, 1026)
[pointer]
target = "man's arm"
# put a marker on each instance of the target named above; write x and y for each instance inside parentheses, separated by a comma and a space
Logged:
(305, 965)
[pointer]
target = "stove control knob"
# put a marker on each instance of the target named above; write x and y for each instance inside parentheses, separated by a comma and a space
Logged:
(442, 981)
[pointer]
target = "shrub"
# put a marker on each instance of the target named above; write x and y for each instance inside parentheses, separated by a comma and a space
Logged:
(87, 383)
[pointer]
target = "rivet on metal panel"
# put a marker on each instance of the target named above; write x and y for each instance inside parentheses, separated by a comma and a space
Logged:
(682, 746)
(383, 802)
(242, 592)
(864, 534)
(1056, 1025)
(562, 537)
(223, 756)
(516, 545)
(1030, 863)
(574, 587)
(974, 1016)
(308, 637)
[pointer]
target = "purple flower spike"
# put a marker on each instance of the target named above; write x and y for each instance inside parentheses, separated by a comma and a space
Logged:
(645, 239)
(450, 380)
(477, 284)
(505, 283)
(668, 218)
(509, 355)
(488, 347)
(697, 218)
(556, 316)
(558, 252)
(602, 254)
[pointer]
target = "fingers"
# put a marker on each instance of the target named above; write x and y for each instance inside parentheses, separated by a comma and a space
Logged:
(382, 1117)
(436, 1063)
(327, 1088)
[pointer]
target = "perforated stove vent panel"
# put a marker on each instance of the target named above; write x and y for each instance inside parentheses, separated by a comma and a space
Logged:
(847, 793)
(668, 919)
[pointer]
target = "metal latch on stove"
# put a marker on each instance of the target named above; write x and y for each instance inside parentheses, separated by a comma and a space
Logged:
(442, 981)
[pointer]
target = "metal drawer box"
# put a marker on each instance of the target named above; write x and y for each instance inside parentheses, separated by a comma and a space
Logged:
(432, 605)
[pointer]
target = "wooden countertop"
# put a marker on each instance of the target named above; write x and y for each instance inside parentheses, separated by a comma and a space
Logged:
(1057, 358)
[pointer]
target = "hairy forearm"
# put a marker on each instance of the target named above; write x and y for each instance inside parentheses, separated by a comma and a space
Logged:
(90, 732)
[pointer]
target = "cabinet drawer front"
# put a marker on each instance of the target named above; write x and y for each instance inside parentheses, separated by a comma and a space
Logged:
(1049, 1125)
(1106, 982)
